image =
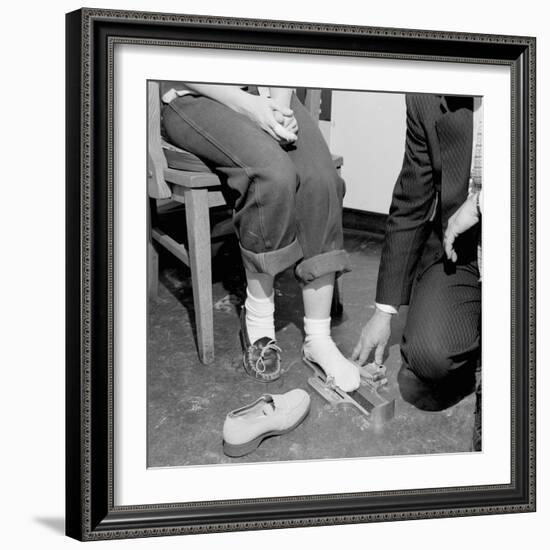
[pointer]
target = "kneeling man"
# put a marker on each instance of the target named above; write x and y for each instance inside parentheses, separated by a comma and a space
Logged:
(430, 257)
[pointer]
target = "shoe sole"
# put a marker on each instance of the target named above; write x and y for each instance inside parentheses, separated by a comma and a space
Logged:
(236, 451)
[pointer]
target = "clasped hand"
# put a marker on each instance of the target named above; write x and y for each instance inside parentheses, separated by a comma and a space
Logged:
(278, 121)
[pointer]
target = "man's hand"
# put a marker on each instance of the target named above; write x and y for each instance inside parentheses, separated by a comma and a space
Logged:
(375, 335)
(464, 218)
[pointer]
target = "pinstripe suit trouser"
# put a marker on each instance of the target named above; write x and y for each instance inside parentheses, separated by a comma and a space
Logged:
(442, 337)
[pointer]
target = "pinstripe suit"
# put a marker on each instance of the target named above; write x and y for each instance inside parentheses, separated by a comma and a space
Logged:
(442, 334)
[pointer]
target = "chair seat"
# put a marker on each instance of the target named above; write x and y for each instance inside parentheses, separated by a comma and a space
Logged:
(178, 159)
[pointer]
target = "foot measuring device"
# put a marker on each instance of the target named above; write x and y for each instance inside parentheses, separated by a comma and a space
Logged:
(366, 399)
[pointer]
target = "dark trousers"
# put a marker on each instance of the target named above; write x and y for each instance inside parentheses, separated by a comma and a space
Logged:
(287, 201)
(442, 337)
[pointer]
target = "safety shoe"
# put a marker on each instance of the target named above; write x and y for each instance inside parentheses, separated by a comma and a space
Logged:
(245, 428)
(261, 359)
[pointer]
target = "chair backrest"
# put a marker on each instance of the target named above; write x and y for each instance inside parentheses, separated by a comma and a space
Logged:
(312, 102)
(157, 188)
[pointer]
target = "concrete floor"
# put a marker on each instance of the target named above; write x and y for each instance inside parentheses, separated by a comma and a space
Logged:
(188, 401)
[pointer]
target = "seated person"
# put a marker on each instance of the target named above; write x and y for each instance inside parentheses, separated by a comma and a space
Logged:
(287, 201)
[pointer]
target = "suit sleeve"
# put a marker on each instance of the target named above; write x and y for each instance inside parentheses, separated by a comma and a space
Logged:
(408, 224)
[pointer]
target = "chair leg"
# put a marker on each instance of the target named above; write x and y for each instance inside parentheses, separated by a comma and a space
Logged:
(152, 256)
(198, 230)
(337, 306)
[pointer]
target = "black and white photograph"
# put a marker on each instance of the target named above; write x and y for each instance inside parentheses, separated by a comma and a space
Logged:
(314, 282)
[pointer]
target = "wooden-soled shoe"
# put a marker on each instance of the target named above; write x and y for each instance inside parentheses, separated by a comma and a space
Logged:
(270, 415)
(261, 359)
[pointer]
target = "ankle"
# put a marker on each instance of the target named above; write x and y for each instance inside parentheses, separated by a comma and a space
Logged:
(259, 317)
(316, 329)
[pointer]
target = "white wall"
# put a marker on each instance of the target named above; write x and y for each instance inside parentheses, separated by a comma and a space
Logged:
(32, 280)
(368, 129)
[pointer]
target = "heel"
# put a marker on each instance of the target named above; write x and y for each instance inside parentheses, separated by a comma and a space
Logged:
(236, 451)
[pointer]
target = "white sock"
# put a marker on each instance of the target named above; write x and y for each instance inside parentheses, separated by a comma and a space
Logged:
(259, 317)
(320, 347)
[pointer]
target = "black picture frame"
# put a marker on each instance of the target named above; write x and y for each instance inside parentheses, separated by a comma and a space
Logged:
(90, 512)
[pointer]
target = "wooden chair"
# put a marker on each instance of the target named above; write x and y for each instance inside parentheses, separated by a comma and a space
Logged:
(179, 176)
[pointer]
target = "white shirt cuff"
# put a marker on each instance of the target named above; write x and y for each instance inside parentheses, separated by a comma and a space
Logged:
(386, 308)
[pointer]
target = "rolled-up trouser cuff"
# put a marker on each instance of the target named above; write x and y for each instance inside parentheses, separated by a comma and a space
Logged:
(274, 261)
(335, 261)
